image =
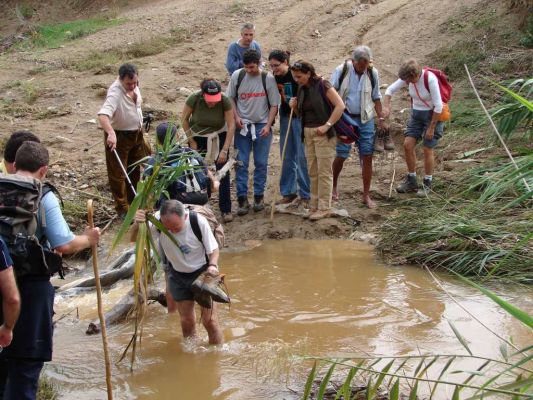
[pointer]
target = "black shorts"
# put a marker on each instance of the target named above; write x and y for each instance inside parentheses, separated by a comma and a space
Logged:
(179, 283)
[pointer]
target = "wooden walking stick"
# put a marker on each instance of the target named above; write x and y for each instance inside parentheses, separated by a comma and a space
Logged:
(99, 301)
(282, 159)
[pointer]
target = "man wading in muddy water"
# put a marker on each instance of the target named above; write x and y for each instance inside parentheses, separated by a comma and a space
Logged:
(121, 118)
(187, 263)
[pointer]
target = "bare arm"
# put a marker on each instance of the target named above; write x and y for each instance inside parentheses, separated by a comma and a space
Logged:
(271, 117)
(230, 124)
(90, 237)
(105, 122)
(213, 259)
(336, 114)
(10, 305)
(185, 115)
(379, 111)
(386, 105)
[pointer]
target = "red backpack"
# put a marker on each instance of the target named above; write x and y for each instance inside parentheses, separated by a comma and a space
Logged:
(444, 86)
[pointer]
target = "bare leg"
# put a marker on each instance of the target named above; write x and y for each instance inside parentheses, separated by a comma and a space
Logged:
(210, 322)
(409, 144)
(172, 305)
(429, 161)
(187, 318)
(337, 165)
(367, 180)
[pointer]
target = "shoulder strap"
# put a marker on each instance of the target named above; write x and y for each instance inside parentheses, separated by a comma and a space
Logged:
(344, 72)
(240, 78)
(370, 72)
(418, 94)
(47, 188)
(195, 226)
(426, 79)
(264, 79)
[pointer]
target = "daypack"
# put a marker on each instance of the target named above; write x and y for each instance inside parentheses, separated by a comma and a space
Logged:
(347, 131)
(20, 198)
(444, 86)
(216, 227)
(240, 78)
(344, 72)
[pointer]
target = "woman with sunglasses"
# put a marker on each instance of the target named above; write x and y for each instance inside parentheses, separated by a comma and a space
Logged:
(294, 179)
(318, 118)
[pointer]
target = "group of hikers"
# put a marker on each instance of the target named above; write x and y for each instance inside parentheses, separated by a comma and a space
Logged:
(320, 121)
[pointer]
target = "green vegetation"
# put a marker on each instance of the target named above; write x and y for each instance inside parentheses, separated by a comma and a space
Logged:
(514, 113)
(47, 389)
(236, 7)
(510, 375)
(52, 36)
(108, 60)
(32, 91)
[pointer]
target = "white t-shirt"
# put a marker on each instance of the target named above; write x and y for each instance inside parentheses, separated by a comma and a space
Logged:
(432, 98)
(191, 257)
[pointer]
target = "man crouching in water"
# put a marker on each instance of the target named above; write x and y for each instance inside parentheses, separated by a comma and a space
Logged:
(186, 263)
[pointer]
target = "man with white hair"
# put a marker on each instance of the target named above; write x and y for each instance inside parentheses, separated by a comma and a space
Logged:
(236, 49)
(358, 84)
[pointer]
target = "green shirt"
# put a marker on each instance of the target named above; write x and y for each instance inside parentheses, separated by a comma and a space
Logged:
(206, 120)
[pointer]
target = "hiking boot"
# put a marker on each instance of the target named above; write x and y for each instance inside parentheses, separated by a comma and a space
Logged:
(319, 215)
(425, 189)
(203, 300)
(287, 199)
(379, 145)
(244, 206)
(259, 203)
(408, 185)
(388, 143)
(227, 217)
(210, 285)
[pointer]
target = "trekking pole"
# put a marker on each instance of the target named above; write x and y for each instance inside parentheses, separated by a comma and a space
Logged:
(124, 171)
(99, 301)
(282, 159)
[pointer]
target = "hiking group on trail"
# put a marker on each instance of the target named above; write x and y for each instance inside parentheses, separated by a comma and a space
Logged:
(320, 122)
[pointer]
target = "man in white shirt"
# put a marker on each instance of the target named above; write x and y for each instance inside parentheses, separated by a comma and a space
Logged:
(186, 263)
(121, 118)
(423, 124)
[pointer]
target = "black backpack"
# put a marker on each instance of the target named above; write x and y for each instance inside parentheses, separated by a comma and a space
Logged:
(20, 198)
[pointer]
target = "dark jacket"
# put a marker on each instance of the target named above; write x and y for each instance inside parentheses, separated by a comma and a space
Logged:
(322, 109)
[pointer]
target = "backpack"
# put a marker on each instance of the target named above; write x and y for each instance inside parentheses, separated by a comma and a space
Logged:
(242, 74)
(346, 129)
(207, 213)
(344, 72)
(444, 86)
(20, 198)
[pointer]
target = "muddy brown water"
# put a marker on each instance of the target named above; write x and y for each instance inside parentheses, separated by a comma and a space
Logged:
(290, 298)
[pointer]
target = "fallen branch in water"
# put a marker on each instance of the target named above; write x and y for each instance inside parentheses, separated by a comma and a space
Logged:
(123, 307)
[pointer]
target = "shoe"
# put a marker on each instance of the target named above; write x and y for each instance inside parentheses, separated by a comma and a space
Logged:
(259, 203)
(210, 285)
(408, 185)
(310, 211)
(319, 215)
(244, 206)
(425, 189)
(379, 145)
(388, 143)
(287, 199)
(227, 217)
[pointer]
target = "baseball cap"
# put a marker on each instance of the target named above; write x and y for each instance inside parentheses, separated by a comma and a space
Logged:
(161, 131)
(212, 91)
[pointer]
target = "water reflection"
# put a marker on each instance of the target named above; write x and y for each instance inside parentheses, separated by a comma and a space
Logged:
(289, 298)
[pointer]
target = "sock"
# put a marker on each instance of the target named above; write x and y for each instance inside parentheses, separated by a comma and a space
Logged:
(428, 178)
(412, 174)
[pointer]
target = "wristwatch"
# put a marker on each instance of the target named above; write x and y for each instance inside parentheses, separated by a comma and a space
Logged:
(212, 265)
(329, 124)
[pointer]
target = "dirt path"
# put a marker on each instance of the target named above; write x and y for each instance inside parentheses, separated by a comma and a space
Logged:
(322, 32)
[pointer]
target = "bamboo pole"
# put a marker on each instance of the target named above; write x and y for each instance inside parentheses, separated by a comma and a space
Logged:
(272, 208)
(99, 301)
(494, 126)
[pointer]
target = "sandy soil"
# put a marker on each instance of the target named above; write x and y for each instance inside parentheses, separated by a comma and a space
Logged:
(322, 32)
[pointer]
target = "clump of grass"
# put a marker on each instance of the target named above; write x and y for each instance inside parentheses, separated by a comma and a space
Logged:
(52, 36)
(103, 61)
(47, 389)
(32, 91)
(236, 7)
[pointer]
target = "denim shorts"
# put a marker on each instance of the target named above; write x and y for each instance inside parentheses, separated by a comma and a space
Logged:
(365, 144)
(418, 124)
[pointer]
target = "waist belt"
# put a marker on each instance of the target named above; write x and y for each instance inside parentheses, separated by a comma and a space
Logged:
(354, 115)
(127, 132)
